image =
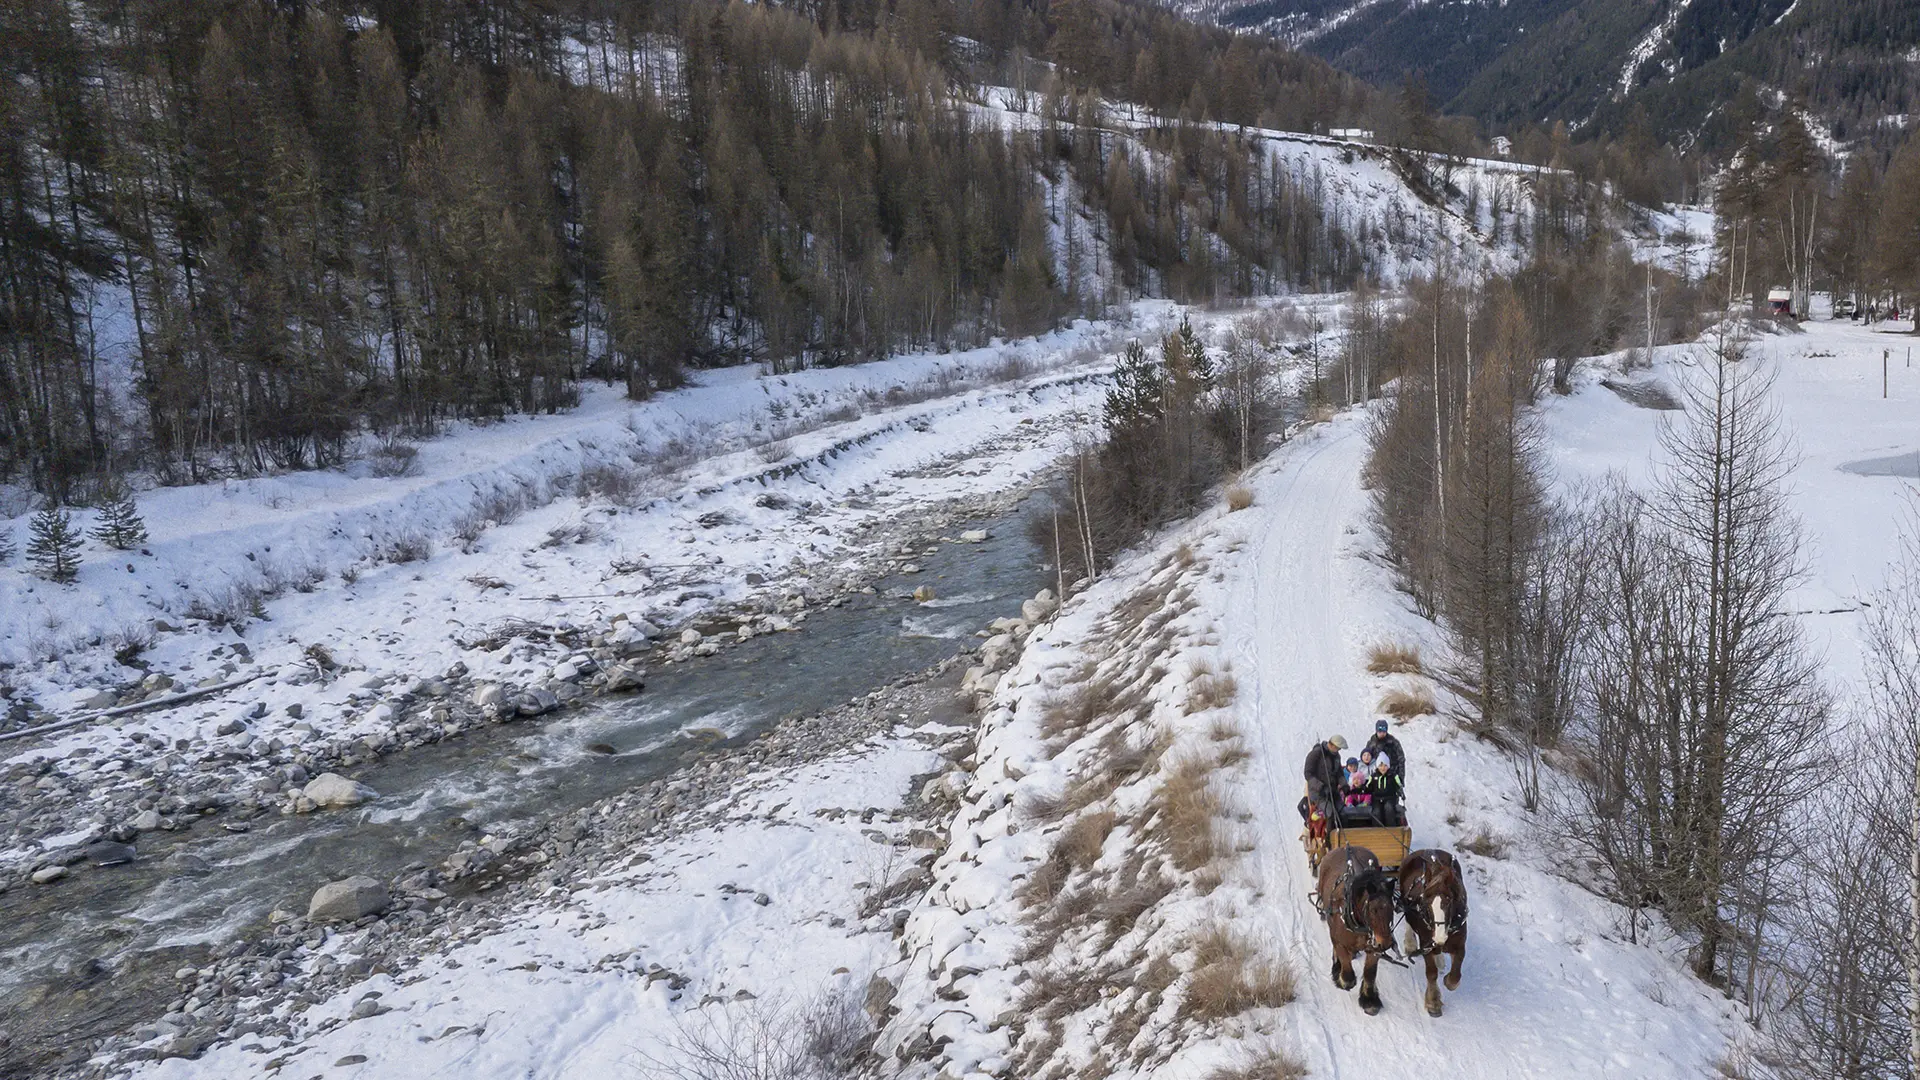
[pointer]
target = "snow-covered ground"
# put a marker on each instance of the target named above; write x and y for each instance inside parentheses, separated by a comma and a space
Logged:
(1288, 596)
(749, 927)
(1859, 454)
(667, 511)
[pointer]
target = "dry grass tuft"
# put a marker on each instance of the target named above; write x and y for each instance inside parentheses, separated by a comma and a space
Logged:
(1392, 659)
(1485, 843)
(1209, 689)
(1080, 843)
(1230, 977)
(1071, 712)
(1239, 497)
(1118, 761)
(1406, 704)
(1208, 878)
(1262, 1063)
(1043, 886)
(1183, 810)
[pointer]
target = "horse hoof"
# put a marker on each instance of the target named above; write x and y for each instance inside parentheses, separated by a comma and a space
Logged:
(1371, 1008)
(1434, 1008)
(1453, 982)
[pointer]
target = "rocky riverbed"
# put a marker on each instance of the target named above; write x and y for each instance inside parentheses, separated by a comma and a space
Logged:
(125, 780)
(148, 800)
(260, 986)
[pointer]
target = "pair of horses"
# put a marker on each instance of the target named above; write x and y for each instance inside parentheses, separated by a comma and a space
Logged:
(1359, 901)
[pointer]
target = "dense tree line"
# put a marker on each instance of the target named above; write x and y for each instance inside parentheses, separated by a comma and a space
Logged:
(233, 234)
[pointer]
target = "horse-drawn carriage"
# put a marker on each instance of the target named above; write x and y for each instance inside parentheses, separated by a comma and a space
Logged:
(1374, 877)
(1389, 843)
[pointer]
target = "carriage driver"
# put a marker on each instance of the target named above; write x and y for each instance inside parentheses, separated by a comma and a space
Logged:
(1323, 774)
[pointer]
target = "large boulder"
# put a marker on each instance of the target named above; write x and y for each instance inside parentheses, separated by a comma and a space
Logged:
(347, 900)
(622, 678)
(1039, 607)
(489, 696)
(334, 791)
(535, 700)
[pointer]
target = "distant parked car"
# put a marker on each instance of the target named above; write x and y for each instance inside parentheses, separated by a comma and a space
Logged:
(1845, 309)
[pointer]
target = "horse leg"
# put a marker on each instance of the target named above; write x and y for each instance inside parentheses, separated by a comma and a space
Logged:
(1370, 993)
(1433, 986)
(1457, 949)
(1342, 967)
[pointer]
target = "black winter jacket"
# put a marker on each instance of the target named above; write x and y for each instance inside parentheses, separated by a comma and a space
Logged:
(1391, 747)
(1323, 771)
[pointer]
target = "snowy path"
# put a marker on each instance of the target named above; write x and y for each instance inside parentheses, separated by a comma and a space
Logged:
(1547, 989)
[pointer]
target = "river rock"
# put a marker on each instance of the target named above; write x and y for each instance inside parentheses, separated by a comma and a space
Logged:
(146, 820)
(182, 862)
(100, 699)
(156, 682)
(48, 874)
(566, 671)
(879, 999)
(231, 727)
(623, 678)
(108, 853)
(332, 790)
(489, 695)
(348, 899)
(1039, 607)
(974, 536)
(535, 700)
(689, 637)
(923, 594)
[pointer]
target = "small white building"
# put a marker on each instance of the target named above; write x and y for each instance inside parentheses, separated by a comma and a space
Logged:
(1352, 134)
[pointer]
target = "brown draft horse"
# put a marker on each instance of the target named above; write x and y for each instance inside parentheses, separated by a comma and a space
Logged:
(1356, 898)
(1433, 897)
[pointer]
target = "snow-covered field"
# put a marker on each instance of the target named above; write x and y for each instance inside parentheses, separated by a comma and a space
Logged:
(1859, 455)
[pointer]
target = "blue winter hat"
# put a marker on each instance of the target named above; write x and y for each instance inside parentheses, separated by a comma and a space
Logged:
(1380, 726)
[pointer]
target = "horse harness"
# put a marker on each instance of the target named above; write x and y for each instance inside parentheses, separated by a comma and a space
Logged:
(1350, 890)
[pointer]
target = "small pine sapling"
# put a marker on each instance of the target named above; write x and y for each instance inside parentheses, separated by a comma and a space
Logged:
(120, 527)
(53, 544)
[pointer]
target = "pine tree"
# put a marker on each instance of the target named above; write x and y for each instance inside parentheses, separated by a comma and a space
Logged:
(1187, 359)
(120, 525)
(54, 544)
(1139, 389)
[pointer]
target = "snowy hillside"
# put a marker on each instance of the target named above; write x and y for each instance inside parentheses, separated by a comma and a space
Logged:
(1284, 600)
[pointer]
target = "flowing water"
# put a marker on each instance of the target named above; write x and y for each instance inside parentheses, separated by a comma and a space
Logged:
(96, 953)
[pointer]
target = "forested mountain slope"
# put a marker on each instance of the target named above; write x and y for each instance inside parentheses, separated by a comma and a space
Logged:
(238, 232)
(1595, 61)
